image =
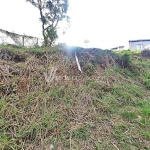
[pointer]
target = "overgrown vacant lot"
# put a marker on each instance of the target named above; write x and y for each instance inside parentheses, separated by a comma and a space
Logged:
(107, 107)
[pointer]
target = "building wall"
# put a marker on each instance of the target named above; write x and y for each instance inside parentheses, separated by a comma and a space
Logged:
(27, 42)
(133, 45)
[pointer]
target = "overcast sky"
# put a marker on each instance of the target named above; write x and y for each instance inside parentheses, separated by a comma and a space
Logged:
(106, 23)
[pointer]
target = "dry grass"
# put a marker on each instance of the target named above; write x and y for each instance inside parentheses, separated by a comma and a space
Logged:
(105, 107)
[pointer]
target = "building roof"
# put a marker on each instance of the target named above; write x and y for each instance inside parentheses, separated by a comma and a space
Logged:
(117, 47)
(121, 46)
(114, 48)
(139, 40)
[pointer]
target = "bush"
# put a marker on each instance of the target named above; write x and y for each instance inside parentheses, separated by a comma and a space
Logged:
(146, 53)
(124, 60)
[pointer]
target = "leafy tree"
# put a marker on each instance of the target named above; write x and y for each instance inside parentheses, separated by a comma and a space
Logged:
(51, 12)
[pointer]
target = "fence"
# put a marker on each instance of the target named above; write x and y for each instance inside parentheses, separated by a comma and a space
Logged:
(7, 37)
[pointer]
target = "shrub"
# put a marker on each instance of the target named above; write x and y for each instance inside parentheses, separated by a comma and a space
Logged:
(146, 53)
(124, 61)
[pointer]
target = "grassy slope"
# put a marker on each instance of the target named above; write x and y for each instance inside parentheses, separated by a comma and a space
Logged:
(107, 109)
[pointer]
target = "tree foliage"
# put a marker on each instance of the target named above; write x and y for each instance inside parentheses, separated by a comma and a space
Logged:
(51, 12)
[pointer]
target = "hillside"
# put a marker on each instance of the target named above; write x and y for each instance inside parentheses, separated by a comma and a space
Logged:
(46, 101)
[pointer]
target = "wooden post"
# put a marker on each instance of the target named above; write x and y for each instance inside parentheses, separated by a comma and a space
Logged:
(37, 42)
(23, 40)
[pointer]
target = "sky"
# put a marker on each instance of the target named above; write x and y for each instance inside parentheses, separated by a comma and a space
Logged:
(105, 23)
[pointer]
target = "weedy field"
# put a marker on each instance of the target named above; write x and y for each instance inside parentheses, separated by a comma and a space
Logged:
(45, 101)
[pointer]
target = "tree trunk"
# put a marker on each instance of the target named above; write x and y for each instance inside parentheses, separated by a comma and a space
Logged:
(44, 36)
(42, 19)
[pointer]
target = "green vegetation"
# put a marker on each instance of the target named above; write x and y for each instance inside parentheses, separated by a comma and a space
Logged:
(51, 13)
(105, 107)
